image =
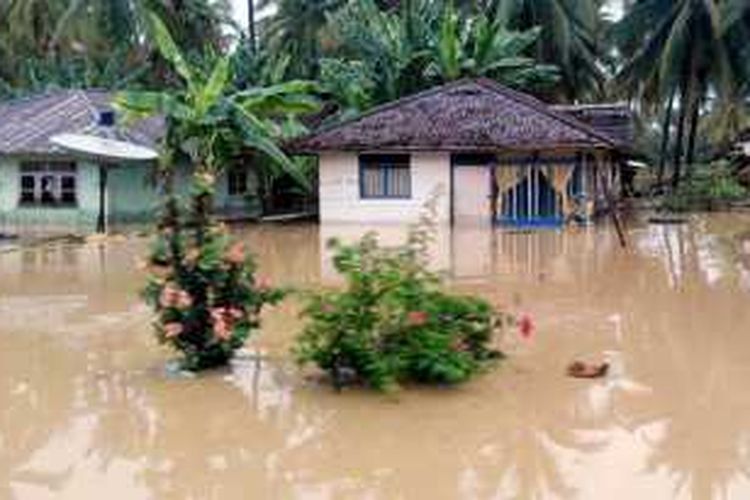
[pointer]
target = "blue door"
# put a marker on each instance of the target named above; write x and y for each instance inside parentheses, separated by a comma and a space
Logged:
(531, 203)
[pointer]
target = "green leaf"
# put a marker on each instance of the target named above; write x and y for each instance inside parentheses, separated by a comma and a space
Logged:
(293, 97)
(255, 135)
(210, 93)
(169, 49)
(141, 104)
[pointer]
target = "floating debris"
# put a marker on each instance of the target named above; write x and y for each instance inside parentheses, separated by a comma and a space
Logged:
(667, 219)
(580, 369)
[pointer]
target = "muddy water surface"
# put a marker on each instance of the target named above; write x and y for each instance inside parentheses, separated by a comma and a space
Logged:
(87, 409)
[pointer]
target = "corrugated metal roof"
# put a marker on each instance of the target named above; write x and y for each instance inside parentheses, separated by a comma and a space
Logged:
(27, 124)
(613, 119)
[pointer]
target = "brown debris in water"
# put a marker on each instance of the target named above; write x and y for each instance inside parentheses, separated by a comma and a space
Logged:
(580, 369)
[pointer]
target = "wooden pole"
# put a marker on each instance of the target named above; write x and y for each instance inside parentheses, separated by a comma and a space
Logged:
(101, 223)
(494, 191)
(612, 209)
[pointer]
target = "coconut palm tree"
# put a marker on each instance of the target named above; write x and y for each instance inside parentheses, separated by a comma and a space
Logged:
(251, 25)
(295, 29)
(96, 42)
(475, 45)
(682, 50)
(568, 39)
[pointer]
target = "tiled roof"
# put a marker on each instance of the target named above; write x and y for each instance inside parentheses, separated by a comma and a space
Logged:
(468, 115)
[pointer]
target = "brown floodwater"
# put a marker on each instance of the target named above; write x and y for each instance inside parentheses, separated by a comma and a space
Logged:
(88, 409)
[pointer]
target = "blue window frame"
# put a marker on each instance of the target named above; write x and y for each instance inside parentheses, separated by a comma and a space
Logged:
(385, 176)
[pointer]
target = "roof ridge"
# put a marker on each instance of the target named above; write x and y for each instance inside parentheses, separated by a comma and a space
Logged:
(592, 105)
(94, 110)
(388, 106)
(49, 92)
(53, 92)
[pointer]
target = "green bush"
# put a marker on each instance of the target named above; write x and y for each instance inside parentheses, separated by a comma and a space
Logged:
(392, 323)
(710, 187)
(202, 286)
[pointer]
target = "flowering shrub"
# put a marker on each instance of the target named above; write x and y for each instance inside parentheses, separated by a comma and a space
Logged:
(393, 323)
(202, 285)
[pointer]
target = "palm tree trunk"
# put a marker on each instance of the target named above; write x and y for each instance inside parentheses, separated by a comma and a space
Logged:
(679, 138)
(690, 158)
(665, 138)
(694, 118)
(251, 24)
(686, 91)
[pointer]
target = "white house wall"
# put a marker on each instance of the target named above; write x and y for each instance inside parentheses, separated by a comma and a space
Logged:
(471, 194)
(340, 199)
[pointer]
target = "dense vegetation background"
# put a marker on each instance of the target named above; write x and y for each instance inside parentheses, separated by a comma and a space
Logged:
(683, 64)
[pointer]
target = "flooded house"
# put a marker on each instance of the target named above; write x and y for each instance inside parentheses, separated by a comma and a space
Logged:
(45, 188)
(485, 152)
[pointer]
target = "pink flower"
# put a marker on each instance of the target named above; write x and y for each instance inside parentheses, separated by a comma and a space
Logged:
(526, 326)
(327, 308)
(172, 330)
(217, 313)
(263, 283)
(183, 300)
(235, 313)
(223, 319)
(222, 330)
(236, 253)
(416, 318)
(169, 295)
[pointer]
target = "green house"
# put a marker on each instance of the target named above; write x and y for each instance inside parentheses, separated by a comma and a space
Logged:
(44, 188)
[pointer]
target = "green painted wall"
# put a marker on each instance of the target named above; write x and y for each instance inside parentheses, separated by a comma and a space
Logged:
(237, 205)
(80, 219)
(132, 197)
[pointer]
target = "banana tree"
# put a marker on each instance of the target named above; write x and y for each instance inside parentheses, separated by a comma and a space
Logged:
(477, 46)
(209, 123)
(383, 55)
(391, 46)
(202, 285)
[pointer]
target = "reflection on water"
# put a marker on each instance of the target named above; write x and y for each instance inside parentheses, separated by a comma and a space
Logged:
(87, 408)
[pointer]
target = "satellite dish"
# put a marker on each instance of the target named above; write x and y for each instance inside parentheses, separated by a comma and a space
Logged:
(106, 149)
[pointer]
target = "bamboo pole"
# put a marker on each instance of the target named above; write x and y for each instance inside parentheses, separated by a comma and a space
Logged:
(612, 208)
